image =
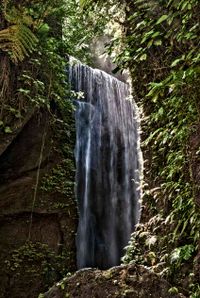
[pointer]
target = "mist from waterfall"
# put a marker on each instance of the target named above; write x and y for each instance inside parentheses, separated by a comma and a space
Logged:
(107, 167)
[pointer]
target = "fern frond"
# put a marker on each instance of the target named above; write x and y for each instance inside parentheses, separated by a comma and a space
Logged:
(18, 40)
(16, 16)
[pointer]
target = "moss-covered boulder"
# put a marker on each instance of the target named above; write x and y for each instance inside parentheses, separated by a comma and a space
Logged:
(122, 281)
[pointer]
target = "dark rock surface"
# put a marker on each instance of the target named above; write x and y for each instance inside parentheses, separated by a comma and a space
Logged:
(123, 281)
(101, 60)
(38, 217)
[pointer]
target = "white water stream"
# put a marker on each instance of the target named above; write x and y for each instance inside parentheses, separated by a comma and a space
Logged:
(107, 167)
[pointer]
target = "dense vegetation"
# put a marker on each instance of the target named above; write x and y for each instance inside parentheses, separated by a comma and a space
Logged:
(158, 41)
(161, 49)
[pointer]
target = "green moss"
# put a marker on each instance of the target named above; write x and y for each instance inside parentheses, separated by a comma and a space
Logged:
(58, 179)
(37, 259)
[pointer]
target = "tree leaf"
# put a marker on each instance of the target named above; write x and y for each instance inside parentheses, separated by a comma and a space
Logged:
(143, 57)
(158, 42)
(162, 19)
(7, 129)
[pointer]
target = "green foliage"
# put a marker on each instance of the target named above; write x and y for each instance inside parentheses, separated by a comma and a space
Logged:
(183, 253)
(161, 49)
(37, 259)
(60, 181)
(41, 78)
(194, 290)
(147, 245)
(173, 290)
(81, 26)
(18, 40)
(39, 81)
(172, 95)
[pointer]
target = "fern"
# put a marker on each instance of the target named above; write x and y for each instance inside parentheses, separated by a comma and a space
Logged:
(18, 39)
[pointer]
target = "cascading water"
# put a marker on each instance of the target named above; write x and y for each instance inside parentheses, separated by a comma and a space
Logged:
(107, 162)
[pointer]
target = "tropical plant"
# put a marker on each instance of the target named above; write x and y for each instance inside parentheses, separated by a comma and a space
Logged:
(18, 39)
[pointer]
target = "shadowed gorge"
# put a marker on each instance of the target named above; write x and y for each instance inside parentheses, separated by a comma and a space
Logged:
(74, 190)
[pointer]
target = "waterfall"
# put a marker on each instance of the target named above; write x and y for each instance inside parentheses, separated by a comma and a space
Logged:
(107, 166)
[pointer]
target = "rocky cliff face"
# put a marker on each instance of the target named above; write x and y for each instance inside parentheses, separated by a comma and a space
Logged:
(101, 60)
(38, 212)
